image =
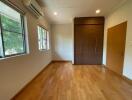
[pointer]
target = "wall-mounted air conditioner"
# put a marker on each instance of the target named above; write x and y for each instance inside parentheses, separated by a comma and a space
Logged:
(34, 7)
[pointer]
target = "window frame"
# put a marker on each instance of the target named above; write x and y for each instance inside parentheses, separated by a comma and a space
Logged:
(12, 6)
(48, 40)
(47, 32)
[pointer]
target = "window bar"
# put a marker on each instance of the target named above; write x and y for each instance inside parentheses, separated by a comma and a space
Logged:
(23, 34)
(2, 37)
(11, 31)
(46, 40)
(42, 32)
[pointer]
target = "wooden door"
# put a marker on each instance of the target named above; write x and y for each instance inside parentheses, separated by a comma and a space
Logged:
(116, 40)
(88, 42)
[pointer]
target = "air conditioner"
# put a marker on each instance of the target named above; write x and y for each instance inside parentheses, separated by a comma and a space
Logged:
(34, 7)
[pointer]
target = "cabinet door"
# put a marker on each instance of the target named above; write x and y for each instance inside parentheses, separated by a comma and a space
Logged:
(88, 44)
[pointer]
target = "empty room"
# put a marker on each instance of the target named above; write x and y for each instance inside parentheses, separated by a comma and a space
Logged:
(65, 49)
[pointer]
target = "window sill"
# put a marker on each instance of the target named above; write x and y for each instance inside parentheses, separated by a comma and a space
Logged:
(13, 56)
(44, 50)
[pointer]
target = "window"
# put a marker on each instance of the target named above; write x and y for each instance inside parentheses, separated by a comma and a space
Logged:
(43, 38)
(12, 37)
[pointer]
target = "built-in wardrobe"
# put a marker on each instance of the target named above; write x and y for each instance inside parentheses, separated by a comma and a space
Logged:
(88, 40)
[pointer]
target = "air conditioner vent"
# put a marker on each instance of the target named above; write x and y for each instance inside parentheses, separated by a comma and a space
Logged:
(34, 7)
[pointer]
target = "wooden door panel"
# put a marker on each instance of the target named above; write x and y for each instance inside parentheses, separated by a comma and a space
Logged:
(88, 43)
(116, 47)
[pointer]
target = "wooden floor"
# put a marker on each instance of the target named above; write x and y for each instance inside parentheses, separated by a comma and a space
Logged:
(64, 81)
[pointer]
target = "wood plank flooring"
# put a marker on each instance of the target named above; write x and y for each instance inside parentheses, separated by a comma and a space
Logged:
(64, 81)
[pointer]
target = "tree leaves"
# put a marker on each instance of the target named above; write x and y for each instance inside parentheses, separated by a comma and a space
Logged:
(12, 36)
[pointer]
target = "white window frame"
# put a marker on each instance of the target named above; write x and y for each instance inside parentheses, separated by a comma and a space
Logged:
(44, 40)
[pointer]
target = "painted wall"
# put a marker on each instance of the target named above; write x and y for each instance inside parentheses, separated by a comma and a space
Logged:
(124, 13)
(16, 72)
(62, 40)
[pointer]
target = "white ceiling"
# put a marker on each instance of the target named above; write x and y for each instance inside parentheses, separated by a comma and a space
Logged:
(68, 9)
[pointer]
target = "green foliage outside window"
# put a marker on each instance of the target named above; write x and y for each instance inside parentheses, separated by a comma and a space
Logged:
(12, 36)
(11, 25)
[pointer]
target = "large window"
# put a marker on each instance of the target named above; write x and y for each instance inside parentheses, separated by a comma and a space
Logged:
(43, 38)
(12, 37)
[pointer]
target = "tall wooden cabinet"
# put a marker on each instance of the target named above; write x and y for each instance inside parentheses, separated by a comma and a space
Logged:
(88, 40)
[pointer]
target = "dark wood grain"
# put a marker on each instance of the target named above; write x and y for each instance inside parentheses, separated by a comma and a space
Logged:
(89, 20)
(88, 40)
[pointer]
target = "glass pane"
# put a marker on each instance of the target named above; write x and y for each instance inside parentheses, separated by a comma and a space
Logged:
(11, 19)
(11, 24)
(44, 44)
(1, 48)
(13, 43)
(48, 42)
(44, 34)
(40, 38)
(44, 39)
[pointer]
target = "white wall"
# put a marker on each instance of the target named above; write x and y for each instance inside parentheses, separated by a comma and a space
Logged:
(16, 72)
(62, 40)
(124, 13)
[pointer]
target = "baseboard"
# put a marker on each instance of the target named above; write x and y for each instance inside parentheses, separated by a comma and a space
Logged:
(62, 61)
(121, 76)
(31, 81)
(127, 79)
(104, 65)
